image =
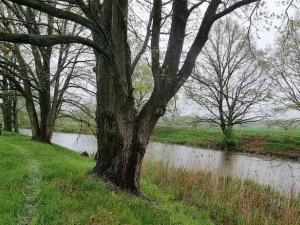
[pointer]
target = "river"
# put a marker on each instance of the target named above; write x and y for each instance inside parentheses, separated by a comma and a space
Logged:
(281, 175)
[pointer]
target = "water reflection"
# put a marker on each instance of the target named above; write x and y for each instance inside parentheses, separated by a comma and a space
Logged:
(281, 175)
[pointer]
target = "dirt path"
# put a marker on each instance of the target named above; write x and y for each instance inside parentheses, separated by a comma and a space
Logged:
(32, 188)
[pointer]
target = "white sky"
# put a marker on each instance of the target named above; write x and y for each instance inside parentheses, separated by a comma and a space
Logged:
(267, 38)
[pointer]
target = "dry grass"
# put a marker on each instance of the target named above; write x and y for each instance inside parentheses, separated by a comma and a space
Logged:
(229, 201)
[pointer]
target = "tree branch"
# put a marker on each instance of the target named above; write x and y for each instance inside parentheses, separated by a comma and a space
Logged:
(53, 11)
(49, 40)
(234, 7)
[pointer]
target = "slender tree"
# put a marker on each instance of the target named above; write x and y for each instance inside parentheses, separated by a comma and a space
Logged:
(123, 135)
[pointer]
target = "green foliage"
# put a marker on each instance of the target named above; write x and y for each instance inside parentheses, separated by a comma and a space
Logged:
(228, 142)
(142, 84)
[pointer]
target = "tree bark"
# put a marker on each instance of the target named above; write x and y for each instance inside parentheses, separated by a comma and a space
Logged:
(7, 107)
(122, 146)
(46, 129)
(15, 113)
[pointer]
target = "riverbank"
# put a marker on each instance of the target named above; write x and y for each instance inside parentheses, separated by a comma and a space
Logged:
(47, 184)
(273, 142)
(261, 141)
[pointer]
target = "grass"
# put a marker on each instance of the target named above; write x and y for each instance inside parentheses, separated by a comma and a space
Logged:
(266, 141)
(228, 201)
(48, 185)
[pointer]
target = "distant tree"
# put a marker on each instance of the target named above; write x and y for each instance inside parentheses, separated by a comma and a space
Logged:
(229, 81)
(286, 67)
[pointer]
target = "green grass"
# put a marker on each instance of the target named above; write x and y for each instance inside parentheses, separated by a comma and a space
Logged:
(280, 142)
(49, 185)
(43, 184)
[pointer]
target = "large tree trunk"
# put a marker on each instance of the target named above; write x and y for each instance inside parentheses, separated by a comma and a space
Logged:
(32, 114)
(33, 118)
(121, 139)
(46, 129)
(42, 129)
(122, 146)
(123, 135)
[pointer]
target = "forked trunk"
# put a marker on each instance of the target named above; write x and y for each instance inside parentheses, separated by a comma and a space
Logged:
(42, 129)
(121, 165)
(120, 154)
(122, 135)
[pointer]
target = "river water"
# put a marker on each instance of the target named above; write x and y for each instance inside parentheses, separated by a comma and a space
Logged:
(282, 175)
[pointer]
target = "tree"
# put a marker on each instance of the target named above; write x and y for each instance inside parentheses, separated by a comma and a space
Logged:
(286, 67)
(7, 105)
(229, 80)
(42, 75)
(122, 134)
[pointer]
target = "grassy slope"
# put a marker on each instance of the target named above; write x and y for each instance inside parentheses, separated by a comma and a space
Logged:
(285, 143)
(43, 184)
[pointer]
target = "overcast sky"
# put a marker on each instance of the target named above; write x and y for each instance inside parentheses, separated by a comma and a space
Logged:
(267, 38)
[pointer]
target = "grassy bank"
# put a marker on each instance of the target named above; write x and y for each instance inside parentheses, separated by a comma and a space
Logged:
(43, 184)
(227, 200)
(255, 140)
(48, 185)
(263, 141)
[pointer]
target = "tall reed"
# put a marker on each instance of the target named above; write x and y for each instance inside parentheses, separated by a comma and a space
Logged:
(228, 200)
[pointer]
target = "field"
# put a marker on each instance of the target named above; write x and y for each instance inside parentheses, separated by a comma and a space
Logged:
(263, 141)
(48, 185)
